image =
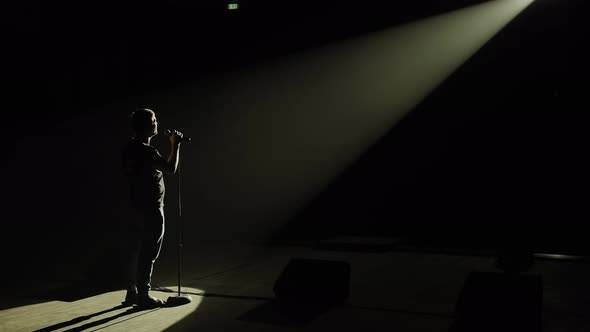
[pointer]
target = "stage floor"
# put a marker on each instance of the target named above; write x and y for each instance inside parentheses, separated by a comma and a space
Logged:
(232, 290)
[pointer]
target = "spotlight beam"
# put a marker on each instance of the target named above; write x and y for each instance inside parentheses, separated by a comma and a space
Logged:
(272, 137)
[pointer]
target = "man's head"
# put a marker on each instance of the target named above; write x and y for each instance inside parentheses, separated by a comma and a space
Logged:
(144, 122)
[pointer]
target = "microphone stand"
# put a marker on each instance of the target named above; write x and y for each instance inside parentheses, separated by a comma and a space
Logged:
(179, 299)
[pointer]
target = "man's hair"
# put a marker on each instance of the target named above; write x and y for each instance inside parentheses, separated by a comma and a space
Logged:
(141, 119)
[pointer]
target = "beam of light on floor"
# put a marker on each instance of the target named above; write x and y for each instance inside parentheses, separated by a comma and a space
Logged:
(95, 313)
(268, 139)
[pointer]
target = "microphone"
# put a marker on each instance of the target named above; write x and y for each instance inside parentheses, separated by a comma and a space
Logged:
(185, 138)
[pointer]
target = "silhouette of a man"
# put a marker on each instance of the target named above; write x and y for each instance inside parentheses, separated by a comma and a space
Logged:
(144, 167)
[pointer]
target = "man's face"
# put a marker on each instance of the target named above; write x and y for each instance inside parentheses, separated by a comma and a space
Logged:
(154, 126)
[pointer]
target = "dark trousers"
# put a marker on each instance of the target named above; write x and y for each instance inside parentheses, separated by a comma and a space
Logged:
(146, 239)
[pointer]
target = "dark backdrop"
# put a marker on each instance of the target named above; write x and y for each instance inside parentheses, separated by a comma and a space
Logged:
(497, 151)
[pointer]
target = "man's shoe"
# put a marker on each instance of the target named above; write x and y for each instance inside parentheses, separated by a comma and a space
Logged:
(130, 299)
(146, 301)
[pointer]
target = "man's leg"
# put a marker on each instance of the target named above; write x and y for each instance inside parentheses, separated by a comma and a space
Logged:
(151, 244)
(132, 249)
(131, 295)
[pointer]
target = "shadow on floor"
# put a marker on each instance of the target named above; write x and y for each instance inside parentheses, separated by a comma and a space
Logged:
(99, 322)
(286, 314)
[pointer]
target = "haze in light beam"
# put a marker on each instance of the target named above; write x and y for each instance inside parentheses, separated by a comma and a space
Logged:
(270, 138)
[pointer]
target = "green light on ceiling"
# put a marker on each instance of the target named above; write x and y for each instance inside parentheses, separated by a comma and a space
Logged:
(232, 6)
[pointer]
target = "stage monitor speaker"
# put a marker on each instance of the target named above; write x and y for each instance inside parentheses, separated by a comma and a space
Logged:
(500, 302)
(305, 281)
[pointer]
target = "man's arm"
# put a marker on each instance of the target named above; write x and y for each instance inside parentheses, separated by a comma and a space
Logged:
(170, 165)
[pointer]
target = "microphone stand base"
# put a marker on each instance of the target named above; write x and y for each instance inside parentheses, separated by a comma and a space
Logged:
(178, 300)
